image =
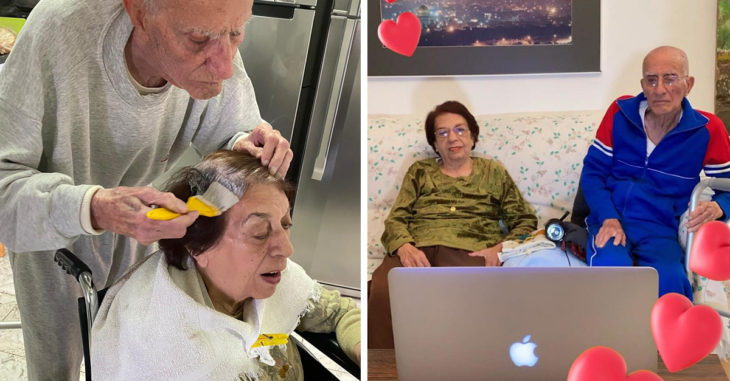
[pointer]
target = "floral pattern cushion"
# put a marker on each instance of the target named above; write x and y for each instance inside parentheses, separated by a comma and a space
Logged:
(543, 152)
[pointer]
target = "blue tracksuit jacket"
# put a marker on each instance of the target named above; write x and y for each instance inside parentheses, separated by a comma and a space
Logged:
(620, 181)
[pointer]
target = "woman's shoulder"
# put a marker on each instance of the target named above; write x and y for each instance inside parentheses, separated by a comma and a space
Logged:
(139, 273)
(430, 163)
(486, 163)
(133, 287)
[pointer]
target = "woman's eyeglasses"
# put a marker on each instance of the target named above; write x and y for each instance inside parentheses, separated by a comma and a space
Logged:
(669, 80)
(443, 133)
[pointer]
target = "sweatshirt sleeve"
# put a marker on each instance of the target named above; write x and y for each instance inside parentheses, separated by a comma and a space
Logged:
(717, 158)
(597, 167)
(38, 211)
(334, 313)
(396, 232)
(230, 116)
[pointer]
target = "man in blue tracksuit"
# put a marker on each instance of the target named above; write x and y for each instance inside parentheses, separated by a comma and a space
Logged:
(640, 170)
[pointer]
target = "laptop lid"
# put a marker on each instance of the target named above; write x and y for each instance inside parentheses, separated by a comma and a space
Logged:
(485, 323)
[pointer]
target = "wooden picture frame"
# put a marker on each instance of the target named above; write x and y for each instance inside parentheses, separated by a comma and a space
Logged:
(581, 55)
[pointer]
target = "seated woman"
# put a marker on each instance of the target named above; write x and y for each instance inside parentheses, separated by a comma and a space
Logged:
(447, 212)
(216, 303)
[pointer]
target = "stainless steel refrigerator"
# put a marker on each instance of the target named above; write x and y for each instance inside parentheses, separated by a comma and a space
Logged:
(303, 58)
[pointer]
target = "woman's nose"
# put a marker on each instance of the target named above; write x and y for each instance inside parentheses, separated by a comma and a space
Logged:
(282, 245)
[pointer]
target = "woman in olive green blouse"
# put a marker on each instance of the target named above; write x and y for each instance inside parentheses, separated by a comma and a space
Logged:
(447, 212)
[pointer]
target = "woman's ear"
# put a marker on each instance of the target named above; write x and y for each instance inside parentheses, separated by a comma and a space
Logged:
(201, 260)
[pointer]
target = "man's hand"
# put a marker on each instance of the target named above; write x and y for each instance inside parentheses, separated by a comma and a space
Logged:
(410, 256)
(123, 210)
(705, 211)
(611, 228)
(269, 146)
(490, 254)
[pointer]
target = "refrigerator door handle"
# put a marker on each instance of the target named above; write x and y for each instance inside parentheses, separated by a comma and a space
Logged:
(320, 163)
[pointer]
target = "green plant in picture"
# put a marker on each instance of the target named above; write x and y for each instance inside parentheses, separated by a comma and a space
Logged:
(723, 30)
(722, 71)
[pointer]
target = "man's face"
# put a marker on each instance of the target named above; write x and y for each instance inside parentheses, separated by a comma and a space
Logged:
(665, 82)
(195, 41)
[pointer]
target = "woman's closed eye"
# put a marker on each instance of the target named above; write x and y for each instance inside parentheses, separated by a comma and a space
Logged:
(262, 236)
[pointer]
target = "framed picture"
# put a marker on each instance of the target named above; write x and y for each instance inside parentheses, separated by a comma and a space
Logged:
(490, 37)
(722, 64)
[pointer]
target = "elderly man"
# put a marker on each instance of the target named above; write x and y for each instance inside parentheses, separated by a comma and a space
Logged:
(98, 98)
(639, 172)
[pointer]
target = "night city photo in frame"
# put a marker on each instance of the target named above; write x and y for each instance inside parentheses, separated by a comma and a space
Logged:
(478, 37)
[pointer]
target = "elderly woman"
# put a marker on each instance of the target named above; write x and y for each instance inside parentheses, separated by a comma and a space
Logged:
(447, 212)
(218, 303)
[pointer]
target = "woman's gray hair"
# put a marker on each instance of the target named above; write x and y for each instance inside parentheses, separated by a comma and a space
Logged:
(233, 171)
(236, 171)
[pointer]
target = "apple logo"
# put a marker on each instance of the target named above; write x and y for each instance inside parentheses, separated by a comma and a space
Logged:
(523, 354)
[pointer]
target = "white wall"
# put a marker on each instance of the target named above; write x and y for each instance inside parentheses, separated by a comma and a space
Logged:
(629, 29)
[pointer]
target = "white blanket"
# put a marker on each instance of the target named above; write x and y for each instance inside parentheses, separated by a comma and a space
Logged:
(533, 242)
(159, 324)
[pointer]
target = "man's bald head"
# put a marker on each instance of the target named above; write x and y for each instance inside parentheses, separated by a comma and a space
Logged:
(665, 80)
(667, 53)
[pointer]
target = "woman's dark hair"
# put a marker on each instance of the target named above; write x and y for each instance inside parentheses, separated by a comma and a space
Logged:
(234, 170)
(453, 107)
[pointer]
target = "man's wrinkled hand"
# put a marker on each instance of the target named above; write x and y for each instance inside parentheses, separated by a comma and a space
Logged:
(490, 254)
(705, 211)
(269, 146)
(611, 228)
(123, 210)
(410, 256)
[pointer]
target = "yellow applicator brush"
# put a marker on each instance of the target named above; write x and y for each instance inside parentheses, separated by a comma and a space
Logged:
(216, 200)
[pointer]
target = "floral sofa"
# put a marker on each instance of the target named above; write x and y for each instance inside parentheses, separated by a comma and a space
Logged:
(543, 153)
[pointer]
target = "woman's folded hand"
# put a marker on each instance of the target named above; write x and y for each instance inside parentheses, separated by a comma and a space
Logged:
(490, 254)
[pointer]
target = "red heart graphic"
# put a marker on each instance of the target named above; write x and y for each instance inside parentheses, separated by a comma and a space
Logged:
(684, 334)
(711, 251)
(605, 364)
(401, 36)
(390, 1)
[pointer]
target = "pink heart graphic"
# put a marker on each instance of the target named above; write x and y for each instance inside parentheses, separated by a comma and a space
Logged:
(683, 333)
(401, 36)
(605, 364)
(711, 251)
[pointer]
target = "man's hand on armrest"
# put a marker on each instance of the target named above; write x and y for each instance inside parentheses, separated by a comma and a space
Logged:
(705, 211)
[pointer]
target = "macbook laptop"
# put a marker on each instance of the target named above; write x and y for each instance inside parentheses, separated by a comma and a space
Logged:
(482, 323)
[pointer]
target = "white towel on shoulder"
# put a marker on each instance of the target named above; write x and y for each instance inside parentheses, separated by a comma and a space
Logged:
(159, 324)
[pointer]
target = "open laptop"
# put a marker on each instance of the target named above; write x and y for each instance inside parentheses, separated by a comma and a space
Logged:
(481, 323)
